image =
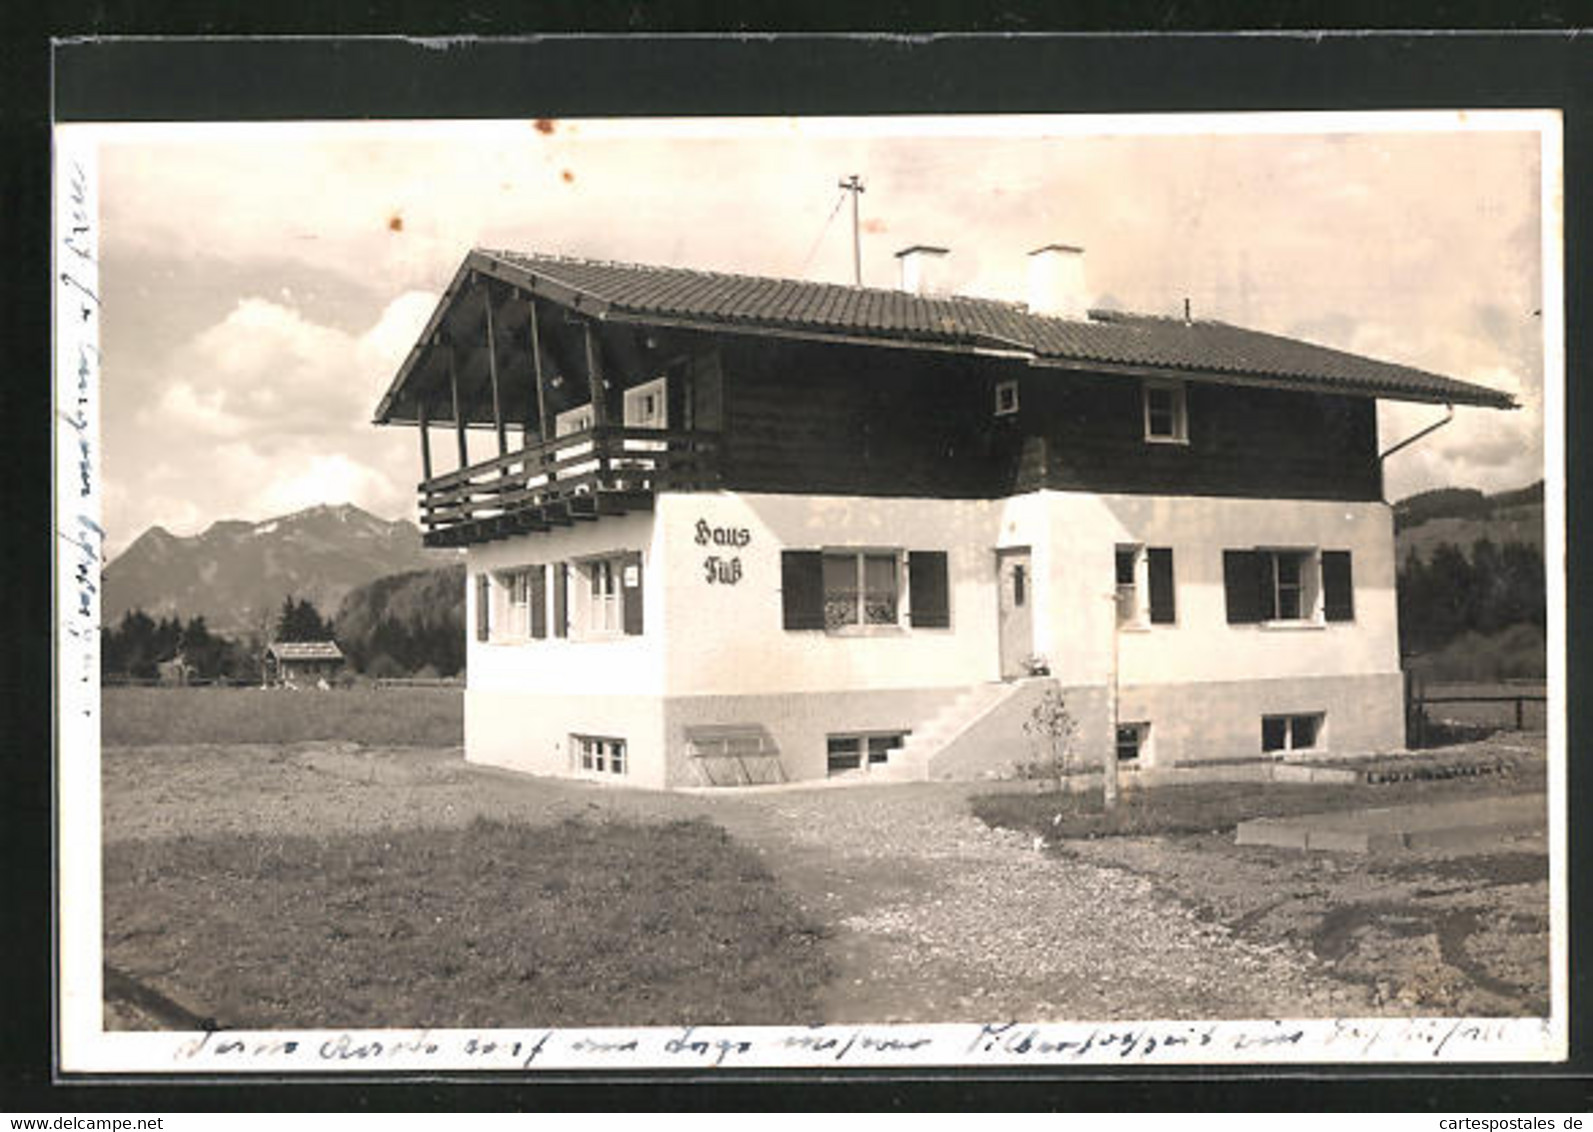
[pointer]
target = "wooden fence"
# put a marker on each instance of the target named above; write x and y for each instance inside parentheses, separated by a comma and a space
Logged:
(1419, 697)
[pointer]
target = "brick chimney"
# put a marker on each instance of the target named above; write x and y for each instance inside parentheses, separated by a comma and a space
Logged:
(1056, 281)
(922, 269)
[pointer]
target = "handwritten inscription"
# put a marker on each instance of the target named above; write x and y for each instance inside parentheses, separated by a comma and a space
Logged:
(991, 1043)
(78, 304)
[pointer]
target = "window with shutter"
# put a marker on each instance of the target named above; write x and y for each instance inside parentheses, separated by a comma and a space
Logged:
(631, 592)
(539, 602)
(1242, 583)
(929, 594)
(483, 606)
(1163, 606)
(1338, 589)
(561, 599)
(802, 588)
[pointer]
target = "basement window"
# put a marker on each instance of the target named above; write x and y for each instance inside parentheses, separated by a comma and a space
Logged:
(1131, 741)
(848, 753)
(1166, 413)
(1291, 732)
(599, 755)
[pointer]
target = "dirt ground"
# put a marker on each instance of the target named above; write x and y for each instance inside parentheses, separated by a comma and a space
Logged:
(929, 914)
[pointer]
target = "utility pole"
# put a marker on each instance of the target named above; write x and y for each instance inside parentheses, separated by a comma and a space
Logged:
(854, 185)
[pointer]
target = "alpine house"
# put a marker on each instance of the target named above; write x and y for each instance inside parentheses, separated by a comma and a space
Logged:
(731, 529)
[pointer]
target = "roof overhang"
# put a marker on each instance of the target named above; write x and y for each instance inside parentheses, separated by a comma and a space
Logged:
(1466, 395)
(480, 264)
(476, 265)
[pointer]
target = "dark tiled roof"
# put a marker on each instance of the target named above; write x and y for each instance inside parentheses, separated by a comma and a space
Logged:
(1109, 338)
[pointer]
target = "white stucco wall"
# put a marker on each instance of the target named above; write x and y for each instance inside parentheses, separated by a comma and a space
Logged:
(571, 666)
(708, 644)
(729, 638)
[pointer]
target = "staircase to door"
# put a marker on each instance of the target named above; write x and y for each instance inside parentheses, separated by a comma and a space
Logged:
(963, 710)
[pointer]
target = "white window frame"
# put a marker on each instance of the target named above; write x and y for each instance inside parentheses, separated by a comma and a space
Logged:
(1312, 612)
(1004, 387)
(1289, 718)
(511, 623)
(579, 419)
(1135, 595)
(861, 554)
(1180, 407)
(658, 387)
(599, 615)
(599, 756)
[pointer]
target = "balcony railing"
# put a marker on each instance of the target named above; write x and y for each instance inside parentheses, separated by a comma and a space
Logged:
(601, 471)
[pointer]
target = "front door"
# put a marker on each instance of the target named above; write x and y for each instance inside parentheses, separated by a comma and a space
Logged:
(1015, 617)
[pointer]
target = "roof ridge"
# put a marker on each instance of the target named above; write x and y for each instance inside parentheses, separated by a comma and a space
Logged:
(1098, 336)
(707, 273)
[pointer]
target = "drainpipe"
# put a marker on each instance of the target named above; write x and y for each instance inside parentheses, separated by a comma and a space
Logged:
(1449, 415)
(1109, 761)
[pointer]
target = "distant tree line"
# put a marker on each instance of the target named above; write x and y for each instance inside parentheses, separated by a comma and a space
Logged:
(406, 624)
(139, 644)
(1460, 503)
(301, 621)
(1451, 594)
(410, 624)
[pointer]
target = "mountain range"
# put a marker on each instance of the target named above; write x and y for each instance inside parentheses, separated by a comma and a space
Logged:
(236, 573)
(1464, 516)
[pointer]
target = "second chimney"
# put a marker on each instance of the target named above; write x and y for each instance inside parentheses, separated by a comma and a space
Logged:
(921, 269)
(1056, 281)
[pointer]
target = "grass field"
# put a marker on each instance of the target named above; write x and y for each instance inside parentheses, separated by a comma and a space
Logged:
(492, 924)
(422, 717)
(1210, 807)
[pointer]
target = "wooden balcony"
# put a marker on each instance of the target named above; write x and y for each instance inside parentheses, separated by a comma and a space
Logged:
(577, 478)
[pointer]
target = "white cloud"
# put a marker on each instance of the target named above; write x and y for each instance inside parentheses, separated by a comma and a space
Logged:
(325, 478)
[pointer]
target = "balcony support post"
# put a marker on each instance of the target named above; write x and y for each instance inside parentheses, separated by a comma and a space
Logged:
(594, 377)
(543, 423)
(425, 442)
(459, 417)
(492, 374)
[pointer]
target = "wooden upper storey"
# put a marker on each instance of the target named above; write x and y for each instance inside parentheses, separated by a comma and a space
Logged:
(706, 381)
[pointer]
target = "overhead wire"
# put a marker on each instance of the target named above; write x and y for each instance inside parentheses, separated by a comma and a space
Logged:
(808, 259)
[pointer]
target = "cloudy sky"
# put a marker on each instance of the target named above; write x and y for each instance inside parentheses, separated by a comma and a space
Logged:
(261, 283)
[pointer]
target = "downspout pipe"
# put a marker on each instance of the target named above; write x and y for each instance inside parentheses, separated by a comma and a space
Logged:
(1449, 415)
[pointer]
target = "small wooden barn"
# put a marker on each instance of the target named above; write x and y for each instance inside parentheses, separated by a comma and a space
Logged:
(293, 664)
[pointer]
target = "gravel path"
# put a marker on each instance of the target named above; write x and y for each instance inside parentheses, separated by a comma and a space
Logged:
(941, 918)
(934, 916)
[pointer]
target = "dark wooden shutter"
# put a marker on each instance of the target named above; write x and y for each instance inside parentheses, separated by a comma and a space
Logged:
(630, 567)
(1241, 583)
(483, 606)
(561, 599)
(1163, 605)
(1338, 590)
(929, 595)
(802, 588)
(539, 602)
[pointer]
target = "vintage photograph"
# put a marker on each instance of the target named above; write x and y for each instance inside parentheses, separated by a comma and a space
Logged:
(994, 572)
